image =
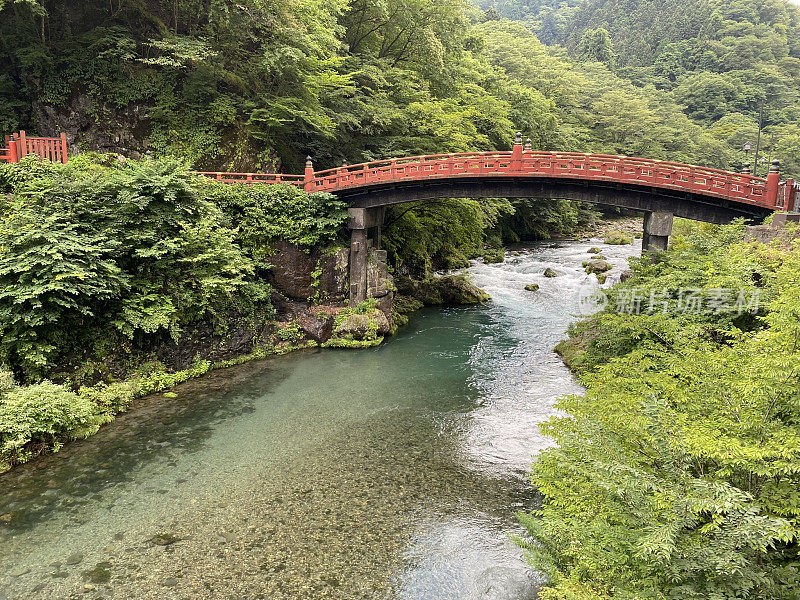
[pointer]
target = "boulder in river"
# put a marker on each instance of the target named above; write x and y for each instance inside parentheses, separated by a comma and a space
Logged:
(533, 287)
(618, 238)
(548, 272)
(448, 289)
(356, 326)
(597, 266)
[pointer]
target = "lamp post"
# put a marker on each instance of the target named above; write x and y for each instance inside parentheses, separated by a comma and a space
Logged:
(758, 140)
(747, 147)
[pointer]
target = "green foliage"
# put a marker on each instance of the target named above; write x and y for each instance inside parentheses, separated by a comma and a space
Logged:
(714, 57)
(424, 236)
(596, 45)
(53, 280)
(676, 476)
(617, 238)
(134, 250)
(266, 214)
(290, 332)
(41, 414)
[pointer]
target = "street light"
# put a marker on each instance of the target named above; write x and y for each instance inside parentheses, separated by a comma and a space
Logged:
(747, 147)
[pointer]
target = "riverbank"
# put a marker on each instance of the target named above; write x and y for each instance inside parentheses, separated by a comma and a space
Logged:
(683, 445)
(80, 410)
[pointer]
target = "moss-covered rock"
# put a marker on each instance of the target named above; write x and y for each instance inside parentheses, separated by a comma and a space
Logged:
(618, 238)
(404, 306)
(594, 250)
(548, 272)
(355, 326)
(446, 290)
(597, 266)
(359, 327)
(494, 255)
(336, 342)
(533, 287)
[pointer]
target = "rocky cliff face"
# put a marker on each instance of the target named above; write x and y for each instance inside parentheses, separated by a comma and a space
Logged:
(310, 276)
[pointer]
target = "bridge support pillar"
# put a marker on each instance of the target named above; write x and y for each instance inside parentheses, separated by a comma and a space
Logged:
(657, 229)
(365, 233)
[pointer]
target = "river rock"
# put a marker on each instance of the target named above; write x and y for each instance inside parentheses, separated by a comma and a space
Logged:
(74, 559)
(386, 306)
(316, 326)
(383, 323)
(164, 539)
(548, 272)
(598, 266)
(100, 574)
(594, 250)
(534, 287)
(356, 326)
(618, 238)
(448, 290)
(626, 274)
(300, 275)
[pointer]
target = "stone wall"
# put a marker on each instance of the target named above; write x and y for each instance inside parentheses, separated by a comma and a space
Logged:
(379, 283)
(784, 228)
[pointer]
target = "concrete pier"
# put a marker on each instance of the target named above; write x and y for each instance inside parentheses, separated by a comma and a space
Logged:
(365, 233)
(657, 229)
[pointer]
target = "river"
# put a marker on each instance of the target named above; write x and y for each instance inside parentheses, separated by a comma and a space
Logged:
(393, 472)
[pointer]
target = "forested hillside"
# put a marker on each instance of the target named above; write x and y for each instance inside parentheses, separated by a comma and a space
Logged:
(720, 60)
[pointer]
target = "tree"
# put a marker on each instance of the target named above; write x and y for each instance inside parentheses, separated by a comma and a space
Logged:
(596, 45)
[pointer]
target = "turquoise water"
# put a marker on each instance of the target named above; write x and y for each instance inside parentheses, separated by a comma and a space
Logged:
(393, 472)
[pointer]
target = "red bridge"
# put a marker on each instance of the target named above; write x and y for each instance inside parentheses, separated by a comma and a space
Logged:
(19, 145)
(734, 190)
(659, 189)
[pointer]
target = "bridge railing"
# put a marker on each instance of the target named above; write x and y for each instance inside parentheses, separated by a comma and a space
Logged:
(788, 195)
(598, 167)
(725, 185)
(268, 178)
(19, 145)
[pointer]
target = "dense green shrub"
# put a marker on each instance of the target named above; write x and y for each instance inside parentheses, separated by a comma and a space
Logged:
(266, 214)
(44, 414)
(440, 234)
(676, 476)
(91, 252)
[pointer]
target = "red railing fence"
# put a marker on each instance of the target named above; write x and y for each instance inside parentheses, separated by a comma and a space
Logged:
(19, 145)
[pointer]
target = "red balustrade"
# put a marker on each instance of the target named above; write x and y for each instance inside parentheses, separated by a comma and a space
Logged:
(269, 178)
(594, 167)
(19, 145)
